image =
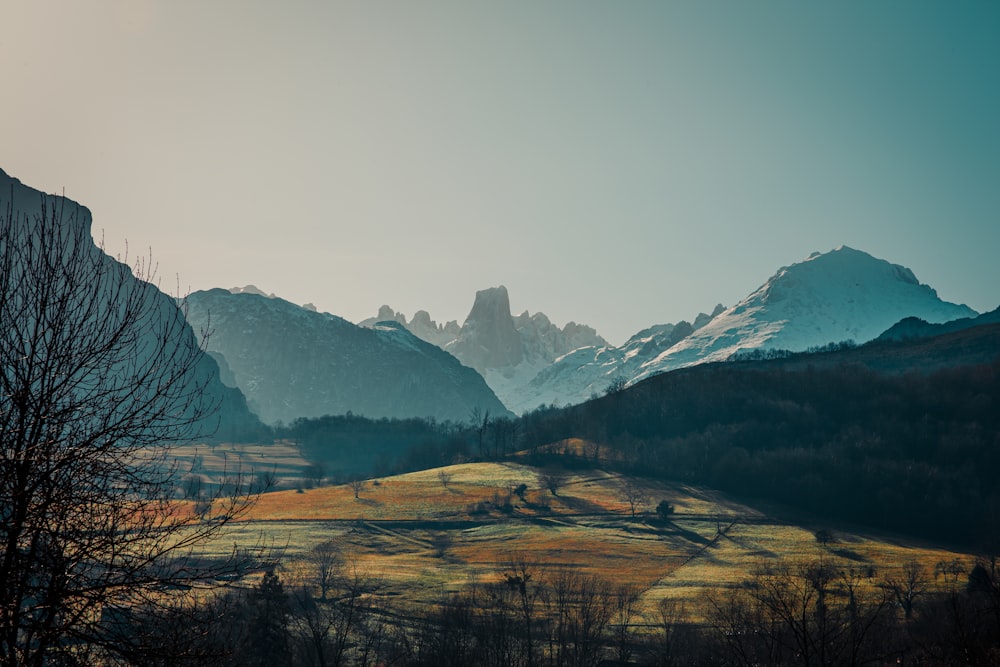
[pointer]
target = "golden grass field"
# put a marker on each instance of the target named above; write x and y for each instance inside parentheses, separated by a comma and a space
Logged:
(214, 462)
(422, 535)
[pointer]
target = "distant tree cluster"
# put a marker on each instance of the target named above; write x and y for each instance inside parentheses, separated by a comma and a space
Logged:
(770, 353)
(354, 445)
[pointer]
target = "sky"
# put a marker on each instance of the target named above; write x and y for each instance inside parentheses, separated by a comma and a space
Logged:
(618, 164)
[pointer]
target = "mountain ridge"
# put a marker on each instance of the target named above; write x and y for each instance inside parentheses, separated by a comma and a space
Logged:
(293, 362)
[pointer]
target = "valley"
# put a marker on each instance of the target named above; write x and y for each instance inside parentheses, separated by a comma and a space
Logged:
(303, 484)
(428, 534)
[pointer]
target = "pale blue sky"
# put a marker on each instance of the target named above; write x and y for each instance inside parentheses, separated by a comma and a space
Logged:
(615, 163)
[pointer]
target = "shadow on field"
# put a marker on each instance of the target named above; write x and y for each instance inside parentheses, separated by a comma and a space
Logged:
(580, 505)
(851, 555)
(688, 535)
(752, 548)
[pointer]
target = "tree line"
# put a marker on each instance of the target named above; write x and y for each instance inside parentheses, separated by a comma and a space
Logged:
(325, 612)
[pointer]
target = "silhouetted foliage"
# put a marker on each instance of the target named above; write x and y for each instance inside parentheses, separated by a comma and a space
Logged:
(356, 445)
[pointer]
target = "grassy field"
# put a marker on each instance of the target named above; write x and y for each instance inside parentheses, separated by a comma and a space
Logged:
(431, 532)
(214, 463)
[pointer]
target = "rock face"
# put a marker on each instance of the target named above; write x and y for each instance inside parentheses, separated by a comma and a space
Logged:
(422, 326)
(293, 362)
(488, 338)
(232, 420)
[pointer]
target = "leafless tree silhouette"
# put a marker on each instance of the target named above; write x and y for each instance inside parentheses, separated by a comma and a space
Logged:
(99, 378)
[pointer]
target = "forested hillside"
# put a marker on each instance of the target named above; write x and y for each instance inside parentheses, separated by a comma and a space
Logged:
(914, 452)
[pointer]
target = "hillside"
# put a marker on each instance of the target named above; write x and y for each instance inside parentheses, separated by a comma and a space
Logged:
(912, 328)
(912, 449)
(439, 529)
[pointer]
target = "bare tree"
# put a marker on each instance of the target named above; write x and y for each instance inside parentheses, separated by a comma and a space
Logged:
(357, 485)
(809, 614)
(582, 608)
(444, 476)
(326, 560)
(625, 598)
(907, 585)
(100, 376)
(553, 481)
(633, 494)
(315, 472)
(668, 643)
(480, 424)
(521, 579)
(266, 480)
(441, 542)
(334, 628)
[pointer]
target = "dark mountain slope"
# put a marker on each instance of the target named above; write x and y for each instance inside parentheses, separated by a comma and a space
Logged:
(912, 328)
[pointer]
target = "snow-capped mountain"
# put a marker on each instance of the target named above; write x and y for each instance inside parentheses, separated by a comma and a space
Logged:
(589, 371)
(292, 362)
(844, 294)
(158, 325)
(507, 350)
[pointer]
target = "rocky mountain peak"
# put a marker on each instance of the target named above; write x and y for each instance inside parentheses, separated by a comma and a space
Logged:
(488, 338)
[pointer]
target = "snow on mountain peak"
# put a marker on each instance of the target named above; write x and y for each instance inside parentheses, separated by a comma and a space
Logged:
(844, 294)
(827, 297)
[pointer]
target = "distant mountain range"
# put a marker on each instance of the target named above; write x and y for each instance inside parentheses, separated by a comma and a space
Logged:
(291, 362)
(844, 294)
(507, 350)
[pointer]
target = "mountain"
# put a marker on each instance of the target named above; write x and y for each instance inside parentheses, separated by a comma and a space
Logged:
(421, 326)
(507, 350)
(589, 371)
(844, 294)
(488, 338)
(294, 362)
(158, 325)
(912, 328)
